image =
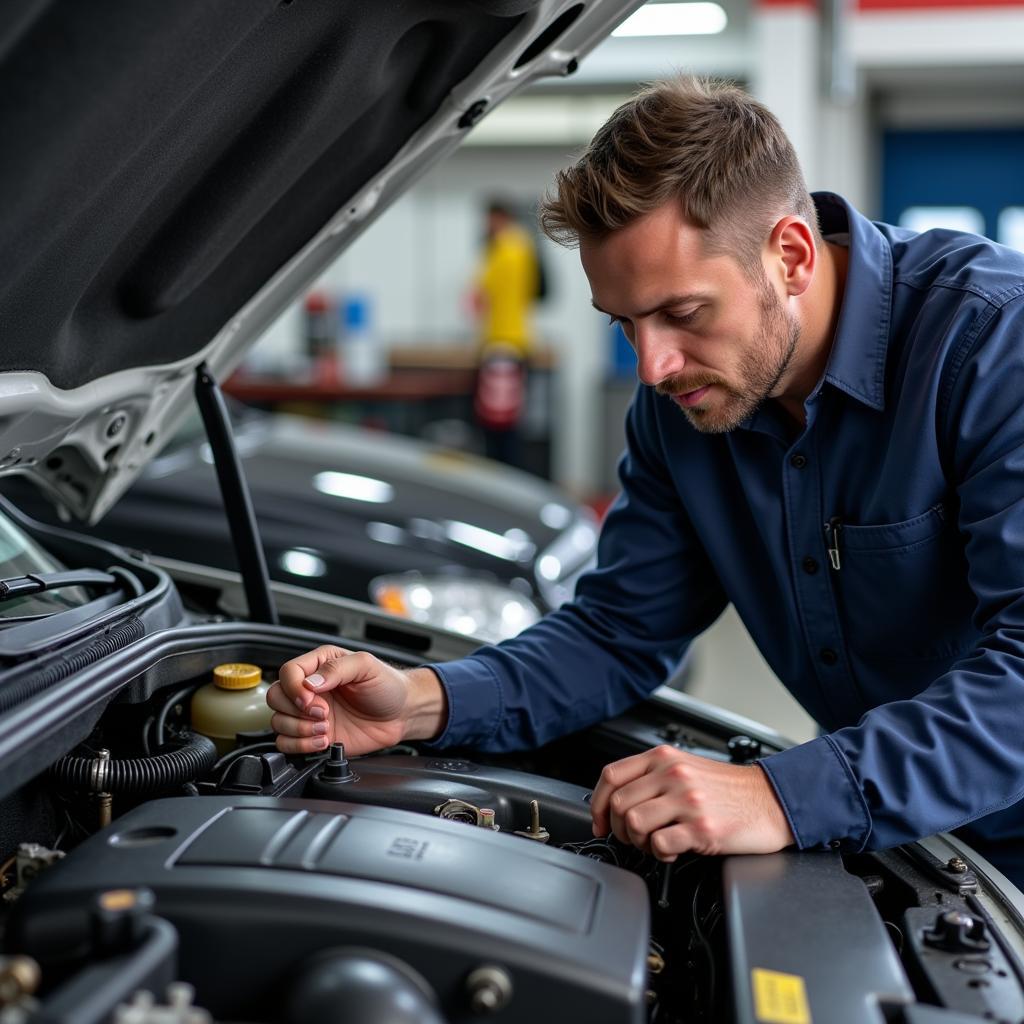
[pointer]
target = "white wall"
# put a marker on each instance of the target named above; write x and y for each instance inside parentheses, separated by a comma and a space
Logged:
(416, 264)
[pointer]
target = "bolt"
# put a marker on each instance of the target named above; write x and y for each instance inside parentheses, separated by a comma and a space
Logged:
(536, 830)
(19, 977)
(116, 425)
(955, 918)
(957, 865)
(743, 749)
(489, 989)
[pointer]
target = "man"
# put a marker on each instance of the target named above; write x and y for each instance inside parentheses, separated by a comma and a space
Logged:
(847, 470)
(507, 286)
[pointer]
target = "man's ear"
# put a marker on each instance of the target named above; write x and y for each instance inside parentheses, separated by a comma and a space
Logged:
(792, 254)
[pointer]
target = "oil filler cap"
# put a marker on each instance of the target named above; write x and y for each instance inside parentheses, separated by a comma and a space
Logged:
(237, 676)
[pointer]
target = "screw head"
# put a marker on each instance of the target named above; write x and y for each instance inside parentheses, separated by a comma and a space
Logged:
(957, 865)
(116, 425)
(489, 989)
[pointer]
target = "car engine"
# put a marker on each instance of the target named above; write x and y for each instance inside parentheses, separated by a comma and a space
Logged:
(399, 886)
(165, 878)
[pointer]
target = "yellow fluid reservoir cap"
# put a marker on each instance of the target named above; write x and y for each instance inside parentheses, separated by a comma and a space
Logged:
(237, 676)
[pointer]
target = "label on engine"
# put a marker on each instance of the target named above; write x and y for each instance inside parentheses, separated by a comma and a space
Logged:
(779, 998)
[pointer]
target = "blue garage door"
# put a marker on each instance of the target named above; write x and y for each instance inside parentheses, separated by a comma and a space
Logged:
(972, 180)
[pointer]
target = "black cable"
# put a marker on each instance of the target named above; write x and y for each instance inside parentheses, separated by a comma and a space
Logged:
(114, 639)
(161, 718)
(146, 726)
(706, 946)
(139, 775)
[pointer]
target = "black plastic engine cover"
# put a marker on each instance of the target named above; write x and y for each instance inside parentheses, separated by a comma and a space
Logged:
(807, 943)
(256, 886)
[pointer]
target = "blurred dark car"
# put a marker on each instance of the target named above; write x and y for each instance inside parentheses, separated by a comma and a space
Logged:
(430, 533)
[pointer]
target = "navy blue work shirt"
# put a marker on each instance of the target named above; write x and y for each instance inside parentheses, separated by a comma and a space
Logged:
(876, 557)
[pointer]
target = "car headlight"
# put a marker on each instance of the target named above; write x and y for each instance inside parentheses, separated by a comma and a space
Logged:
(479, 608)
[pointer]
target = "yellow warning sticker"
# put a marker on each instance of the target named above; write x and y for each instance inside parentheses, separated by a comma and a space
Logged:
(779, 998)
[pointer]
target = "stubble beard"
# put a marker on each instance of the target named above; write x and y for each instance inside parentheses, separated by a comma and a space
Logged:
(761, 368)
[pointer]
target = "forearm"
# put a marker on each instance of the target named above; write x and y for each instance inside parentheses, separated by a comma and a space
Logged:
(571, 670)
(427, 707)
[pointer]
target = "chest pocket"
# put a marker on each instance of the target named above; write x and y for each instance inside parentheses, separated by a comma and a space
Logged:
(902, 588)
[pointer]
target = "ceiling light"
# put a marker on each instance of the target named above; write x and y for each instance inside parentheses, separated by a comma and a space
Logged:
(699, 19)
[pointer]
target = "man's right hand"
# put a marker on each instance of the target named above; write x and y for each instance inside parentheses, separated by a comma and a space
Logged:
(332, 694)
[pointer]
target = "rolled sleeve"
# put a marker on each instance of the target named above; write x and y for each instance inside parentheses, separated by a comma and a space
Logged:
(820, 796)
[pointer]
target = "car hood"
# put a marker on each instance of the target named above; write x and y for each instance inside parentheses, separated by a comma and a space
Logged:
(175, 174)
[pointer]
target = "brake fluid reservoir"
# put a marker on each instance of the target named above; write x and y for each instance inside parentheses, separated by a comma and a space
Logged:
(236, 701)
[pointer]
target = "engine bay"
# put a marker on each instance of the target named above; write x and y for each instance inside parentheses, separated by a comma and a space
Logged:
(481, 883)
(159, 871)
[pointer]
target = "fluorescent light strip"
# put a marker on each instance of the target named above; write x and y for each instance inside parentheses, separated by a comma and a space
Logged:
(697, 19)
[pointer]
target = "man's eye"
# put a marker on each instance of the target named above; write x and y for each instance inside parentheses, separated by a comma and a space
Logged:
(685, 318)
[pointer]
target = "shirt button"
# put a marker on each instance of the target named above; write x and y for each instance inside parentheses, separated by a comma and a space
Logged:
(798, 461)
(810, 566)
(828, 656)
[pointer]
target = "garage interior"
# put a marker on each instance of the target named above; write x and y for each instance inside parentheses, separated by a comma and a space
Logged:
(864, 89)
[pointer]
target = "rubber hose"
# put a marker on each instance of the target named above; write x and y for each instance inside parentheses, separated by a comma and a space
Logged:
(137, 775)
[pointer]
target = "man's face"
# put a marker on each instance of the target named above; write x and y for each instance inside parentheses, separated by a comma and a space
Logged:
(715, 338)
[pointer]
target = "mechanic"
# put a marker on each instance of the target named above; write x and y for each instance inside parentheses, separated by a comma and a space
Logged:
(847, 470)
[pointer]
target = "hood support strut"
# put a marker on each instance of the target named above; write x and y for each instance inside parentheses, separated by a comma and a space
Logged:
(234, 489)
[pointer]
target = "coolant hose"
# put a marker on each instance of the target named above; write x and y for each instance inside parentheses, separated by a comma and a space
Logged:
(137, 775)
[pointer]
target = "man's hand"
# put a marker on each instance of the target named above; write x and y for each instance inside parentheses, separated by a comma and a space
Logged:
(332, 694)
(668, 802)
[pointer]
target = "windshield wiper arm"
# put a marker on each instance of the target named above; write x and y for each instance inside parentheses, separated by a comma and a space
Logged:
(38, 582)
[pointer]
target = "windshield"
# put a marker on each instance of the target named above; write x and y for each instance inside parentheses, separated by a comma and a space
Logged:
(19, 556)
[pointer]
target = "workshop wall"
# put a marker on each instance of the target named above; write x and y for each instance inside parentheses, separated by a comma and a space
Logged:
(837, 83)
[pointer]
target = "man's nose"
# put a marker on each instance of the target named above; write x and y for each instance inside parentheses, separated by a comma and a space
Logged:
(657, 356)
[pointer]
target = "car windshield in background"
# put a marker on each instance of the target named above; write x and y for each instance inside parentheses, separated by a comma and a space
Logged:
(21, 556)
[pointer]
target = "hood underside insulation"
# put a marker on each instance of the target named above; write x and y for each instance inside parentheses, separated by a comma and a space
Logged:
(162, 160)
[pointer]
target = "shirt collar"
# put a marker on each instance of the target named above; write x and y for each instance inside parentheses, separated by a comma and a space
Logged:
(856, 364)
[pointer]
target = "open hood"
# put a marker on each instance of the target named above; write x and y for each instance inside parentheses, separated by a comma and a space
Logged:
(173, 175)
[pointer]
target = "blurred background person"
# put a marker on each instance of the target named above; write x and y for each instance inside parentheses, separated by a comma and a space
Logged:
(506, 287)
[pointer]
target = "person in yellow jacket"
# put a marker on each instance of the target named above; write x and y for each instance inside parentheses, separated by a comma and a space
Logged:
(507, 286)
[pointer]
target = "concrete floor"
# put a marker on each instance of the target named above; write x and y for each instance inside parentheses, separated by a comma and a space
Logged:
(728, 670)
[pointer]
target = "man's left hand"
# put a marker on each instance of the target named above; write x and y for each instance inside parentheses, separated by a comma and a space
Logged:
(667, 802)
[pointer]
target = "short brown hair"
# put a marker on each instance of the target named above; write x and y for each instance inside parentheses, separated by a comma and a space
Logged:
(707, 143)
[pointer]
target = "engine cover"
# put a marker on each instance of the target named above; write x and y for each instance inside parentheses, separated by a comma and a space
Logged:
(258, 886)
